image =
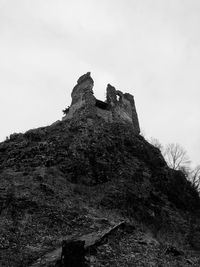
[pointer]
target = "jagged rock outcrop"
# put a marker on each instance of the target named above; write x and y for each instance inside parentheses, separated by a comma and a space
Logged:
(118, 107)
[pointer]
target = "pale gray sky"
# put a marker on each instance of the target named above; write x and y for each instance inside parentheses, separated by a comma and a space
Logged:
(149, 48)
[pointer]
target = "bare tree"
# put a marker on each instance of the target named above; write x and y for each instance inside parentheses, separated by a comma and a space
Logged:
(176, 156)
(177, 159)
(194, 177)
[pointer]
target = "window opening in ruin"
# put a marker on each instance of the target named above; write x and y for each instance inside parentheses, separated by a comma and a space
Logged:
(118, 97)
(101, 104)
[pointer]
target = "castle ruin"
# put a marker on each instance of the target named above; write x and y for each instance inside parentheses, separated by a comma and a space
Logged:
(118, 107)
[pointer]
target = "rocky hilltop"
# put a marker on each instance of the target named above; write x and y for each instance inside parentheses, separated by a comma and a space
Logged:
(93, 177)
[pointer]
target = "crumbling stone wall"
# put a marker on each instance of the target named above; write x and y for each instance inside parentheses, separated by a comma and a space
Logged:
(118, 107)
(122, 107)
(82, 95)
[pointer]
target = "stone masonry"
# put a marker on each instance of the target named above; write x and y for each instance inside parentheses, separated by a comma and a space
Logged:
(118, 107)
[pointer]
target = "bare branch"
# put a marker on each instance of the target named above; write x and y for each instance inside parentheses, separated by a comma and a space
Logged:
(194, 177)
(176, 156)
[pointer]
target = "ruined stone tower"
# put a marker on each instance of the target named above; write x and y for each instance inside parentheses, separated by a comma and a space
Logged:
(118, 107)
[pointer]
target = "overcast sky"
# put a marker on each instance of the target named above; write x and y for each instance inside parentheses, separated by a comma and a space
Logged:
(149, 48)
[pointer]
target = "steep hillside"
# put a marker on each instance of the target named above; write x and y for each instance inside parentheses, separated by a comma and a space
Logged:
(62, 179)
(92, 177)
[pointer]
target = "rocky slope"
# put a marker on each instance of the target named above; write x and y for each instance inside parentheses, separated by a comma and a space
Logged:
(75, 178)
